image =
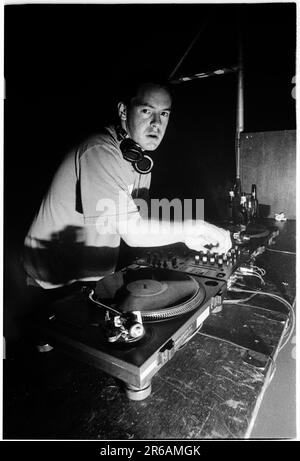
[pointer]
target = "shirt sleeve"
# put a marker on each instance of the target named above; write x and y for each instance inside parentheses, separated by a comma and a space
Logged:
(104, 185)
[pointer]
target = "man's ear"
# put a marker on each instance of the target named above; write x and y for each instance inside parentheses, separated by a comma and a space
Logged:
(122, 111)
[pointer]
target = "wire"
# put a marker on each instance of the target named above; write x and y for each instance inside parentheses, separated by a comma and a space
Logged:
(279, 298)
(260, 270)
(223, 340)
(251, 305)
(252, 274)
(283, 301)
(237, 301)
(281, 251)
(236, 345)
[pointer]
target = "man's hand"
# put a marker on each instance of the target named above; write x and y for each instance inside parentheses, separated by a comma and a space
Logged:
(199, 233)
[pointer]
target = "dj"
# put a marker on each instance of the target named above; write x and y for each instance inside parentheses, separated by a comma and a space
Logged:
(66, 243)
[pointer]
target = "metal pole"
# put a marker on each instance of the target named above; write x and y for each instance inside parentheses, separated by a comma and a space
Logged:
(239, 111)
(201, 30)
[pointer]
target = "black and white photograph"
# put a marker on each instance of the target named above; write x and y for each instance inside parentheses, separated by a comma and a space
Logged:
(149, 224)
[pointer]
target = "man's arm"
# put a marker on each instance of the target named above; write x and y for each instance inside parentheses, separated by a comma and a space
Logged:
(137, 231)
(108, 205)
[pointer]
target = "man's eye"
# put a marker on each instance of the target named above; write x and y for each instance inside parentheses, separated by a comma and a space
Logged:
(146, 111)
(165, 114)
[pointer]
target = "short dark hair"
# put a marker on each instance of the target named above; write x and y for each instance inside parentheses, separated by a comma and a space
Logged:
(131, 87)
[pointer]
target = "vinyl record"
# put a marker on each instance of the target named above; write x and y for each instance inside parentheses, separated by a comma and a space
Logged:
(157, 293)
(255, 230)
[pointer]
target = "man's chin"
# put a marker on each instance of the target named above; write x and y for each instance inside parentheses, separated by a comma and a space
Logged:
(151, 145)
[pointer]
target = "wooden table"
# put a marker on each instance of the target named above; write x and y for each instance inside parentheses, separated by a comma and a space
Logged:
(212, 388)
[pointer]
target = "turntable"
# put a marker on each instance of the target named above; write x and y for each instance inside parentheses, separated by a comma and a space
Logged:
(132, 322)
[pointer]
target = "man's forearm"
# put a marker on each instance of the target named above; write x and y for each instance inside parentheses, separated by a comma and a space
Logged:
(151, 232)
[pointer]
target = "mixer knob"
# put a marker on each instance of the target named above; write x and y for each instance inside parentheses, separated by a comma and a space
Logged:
(165, 264)
(220, 261)
(212, 259)
(197, 259)
(204, 258)
(159, 263)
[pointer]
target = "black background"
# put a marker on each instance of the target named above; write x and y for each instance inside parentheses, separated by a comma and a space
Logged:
(65, 63)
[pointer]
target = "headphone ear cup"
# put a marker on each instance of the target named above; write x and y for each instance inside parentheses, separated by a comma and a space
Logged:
(131, 150)
(144, 165)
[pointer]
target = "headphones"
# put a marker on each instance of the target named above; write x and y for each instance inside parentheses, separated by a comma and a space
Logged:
(133, 153)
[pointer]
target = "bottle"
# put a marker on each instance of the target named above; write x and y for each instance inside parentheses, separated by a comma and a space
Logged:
(254, 201)
(250, 209)
(244, 210)
(237, 189)
(236, 215)
(230, 205)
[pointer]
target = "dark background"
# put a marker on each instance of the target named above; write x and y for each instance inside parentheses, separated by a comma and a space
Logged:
(64, 65)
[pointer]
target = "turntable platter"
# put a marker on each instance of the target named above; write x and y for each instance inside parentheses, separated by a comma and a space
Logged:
(157, 293)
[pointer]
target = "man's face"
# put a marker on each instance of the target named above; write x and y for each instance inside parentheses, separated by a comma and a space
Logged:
(147, 116)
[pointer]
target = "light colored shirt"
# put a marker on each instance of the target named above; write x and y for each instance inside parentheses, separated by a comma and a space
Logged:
(92, 188)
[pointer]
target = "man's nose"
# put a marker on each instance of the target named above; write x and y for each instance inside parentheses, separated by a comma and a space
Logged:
(156, 120)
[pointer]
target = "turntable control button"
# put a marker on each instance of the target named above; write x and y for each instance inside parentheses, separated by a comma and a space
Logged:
(205, 258)
(197, 259)
(220, 261)
(212, 259)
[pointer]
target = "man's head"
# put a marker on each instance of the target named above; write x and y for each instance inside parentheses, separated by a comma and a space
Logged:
(145, 115)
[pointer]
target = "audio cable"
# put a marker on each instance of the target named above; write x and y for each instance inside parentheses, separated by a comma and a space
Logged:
(291, 315)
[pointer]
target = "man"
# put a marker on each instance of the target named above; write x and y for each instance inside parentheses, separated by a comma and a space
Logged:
(90, 205)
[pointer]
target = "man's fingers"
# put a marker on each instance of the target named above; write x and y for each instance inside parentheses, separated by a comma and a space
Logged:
(214, 239)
